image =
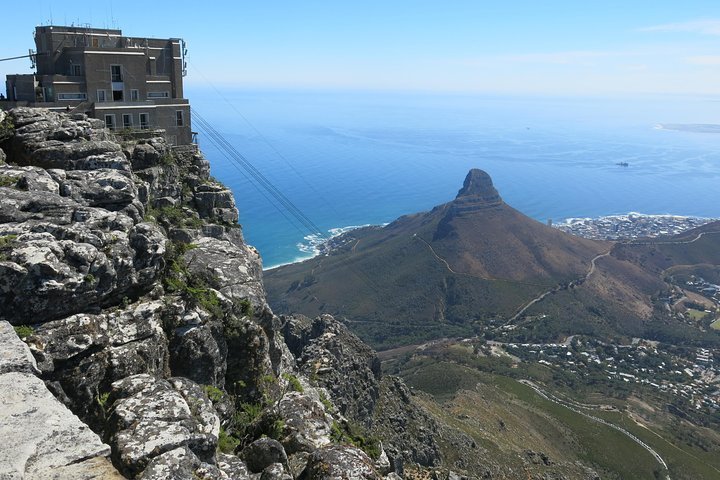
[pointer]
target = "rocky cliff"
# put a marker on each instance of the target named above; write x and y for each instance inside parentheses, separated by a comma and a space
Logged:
(149, 348)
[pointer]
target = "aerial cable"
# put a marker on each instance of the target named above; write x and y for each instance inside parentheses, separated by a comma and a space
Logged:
(260, 178)
(257, 176)
(215, 141)
(267, 142)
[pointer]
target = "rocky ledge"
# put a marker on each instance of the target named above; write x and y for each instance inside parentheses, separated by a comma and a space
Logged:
(149, 348)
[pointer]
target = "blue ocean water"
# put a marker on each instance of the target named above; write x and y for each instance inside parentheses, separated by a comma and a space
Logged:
(347, 159)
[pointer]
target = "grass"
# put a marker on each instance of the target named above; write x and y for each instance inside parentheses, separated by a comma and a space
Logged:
(23, 331)
(598, 444)
(8, 181)
(504, 415)
(715, 325)
(696, 314)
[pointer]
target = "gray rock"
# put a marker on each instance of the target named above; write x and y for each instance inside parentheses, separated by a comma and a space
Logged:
(262, 453)
(408, 431)
(232, 467)
(214, 201)
(230, 267)
(342, 363)
(15, 356)
(109, 189)
(180, 464)
(56, 268)
(42, 439)
(145, 156)
(32, 179)
(198, 351)
(339, 462)
(83, 354)
(276, 471)
(307, 426)
(150, 417)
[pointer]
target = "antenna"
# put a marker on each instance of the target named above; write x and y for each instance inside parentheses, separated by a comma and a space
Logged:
(183, 47)
(112, 16)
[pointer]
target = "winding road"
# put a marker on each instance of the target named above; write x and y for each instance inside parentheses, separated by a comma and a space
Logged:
(569, 406)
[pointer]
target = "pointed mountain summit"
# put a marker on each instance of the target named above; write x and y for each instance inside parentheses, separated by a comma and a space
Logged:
(469, 259)
(477, 193)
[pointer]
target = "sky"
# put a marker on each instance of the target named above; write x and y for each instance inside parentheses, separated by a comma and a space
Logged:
(593, 47)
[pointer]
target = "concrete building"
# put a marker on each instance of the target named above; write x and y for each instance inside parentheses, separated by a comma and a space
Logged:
(129, 83)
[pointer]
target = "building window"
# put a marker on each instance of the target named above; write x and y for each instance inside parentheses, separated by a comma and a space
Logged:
(127, 120)
(144, 121)
(110, 122)
(179, 118)
(101, 96)
(116, 73)
(158, 95)
(75, 70)
(117, 95)
(72, 96)
(134, 95)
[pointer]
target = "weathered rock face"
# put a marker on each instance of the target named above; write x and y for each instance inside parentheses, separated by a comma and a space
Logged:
(83, 354)
(339, 462)
(350, 371)
(41, 437)
(150, 416)
(307, 426)
(342, 363)
(478, 193)
(73, 242)
(143, 298)
(408, 432)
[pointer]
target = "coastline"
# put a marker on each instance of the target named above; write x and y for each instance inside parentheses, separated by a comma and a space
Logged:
(315, 245)
(606, 227)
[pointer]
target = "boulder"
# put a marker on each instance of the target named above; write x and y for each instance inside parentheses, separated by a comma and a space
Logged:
(339, 462)
(56, 266)
(263, 453)
(180, 464)
(83, 354)
(42, 439)
(232, 467)
(151, 416)
(15, 356)
(306, 425)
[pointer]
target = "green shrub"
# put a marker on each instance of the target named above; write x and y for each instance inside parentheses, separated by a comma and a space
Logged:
(102, 399)
(167, 159)
(248, 414)
(8, 181)
(276, 429)
(173, 216)
(23, 331)
(213, 393)
(293, 382)
(177, 278)
(227, 443)
(244, 307)
(326, 403)
(353, 434)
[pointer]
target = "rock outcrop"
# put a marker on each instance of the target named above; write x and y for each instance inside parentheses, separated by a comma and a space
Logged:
(42, 439)
(477, 193)
(143, 311)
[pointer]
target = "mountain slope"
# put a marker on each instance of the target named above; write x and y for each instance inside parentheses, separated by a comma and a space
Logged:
(443, 272)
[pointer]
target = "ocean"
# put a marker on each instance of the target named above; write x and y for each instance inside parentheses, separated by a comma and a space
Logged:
(347, 159)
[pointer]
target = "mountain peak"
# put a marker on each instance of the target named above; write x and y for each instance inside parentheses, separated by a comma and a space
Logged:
(477, 193)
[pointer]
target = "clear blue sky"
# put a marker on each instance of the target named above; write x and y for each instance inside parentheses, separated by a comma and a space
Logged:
(508, 46)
